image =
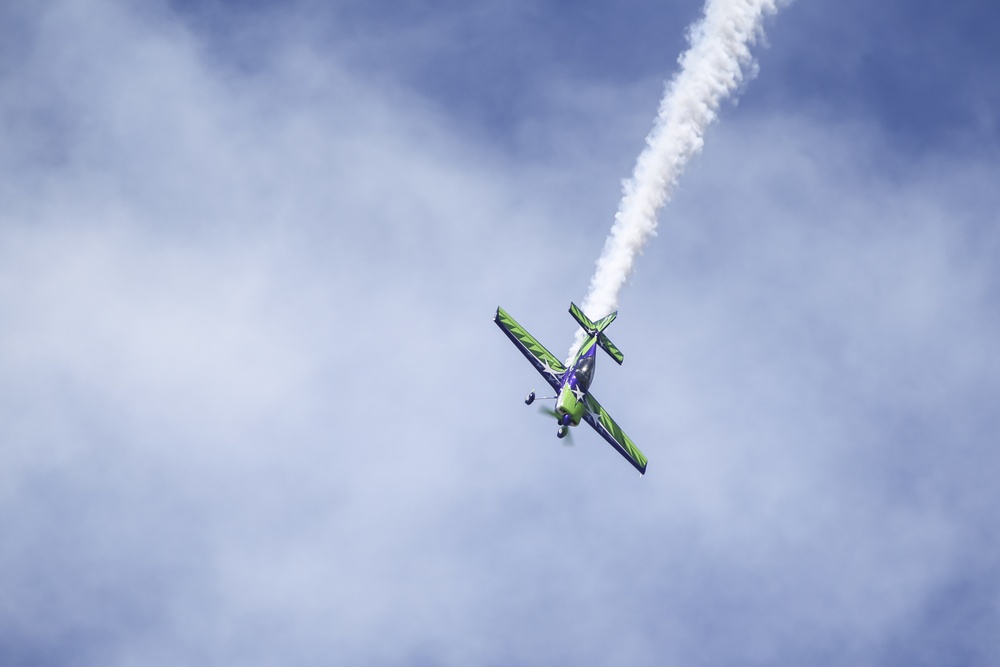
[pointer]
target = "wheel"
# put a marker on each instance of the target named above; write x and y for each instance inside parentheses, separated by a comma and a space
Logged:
(561, 433)
(530, 399)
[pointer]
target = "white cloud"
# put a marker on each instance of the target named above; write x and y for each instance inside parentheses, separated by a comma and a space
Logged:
(254, 409)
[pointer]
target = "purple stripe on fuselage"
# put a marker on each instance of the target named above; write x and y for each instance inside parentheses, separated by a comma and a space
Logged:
(587, 359)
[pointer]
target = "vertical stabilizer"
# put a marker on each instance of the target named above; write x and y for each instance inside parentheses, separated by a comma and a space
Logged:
(597, 329)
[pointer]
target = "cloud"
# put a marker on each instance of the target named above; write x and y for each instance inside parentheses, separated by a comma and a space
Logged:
(254, 409)
(820, 310)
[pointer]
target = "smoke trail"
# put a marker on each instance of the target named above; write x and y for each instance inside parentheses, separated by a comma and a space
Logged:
(711, 69)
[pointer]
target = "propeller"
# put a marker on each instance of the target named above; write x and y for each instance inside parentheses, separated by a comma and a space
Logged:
(568, 438)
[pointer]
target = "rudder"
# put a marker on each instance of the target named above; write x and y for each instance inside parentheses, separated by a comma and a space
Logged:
(597, 328)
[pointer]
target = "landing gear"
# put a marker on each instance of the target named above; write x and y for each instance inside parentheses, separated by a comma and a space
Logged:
(561, 433)
(530, 399)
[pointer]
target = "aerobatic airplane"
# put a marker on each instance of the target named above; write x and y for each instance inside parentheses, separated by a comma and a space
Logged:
(572, 386)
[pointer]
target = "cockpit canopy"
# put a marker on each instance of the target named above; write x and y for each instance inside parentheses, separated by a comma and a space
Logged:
(585, 372)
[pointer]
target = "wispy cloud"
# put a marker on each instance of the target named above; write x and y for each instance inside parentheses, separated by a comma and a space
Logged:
(711, 69)
(254, 410)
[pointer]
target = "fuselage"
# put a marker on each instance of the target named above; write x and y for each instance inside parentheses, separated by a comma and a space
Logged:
(576, 383)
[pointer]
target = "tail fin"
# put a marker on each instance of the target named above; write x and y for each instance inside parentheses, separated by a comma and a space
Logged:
(597, 329)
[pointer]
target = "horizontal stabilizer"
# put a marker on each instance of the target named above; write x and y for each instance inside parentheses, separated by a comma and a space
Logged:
(591, 327)
(597, 328)
(610, 348)
(578, 315)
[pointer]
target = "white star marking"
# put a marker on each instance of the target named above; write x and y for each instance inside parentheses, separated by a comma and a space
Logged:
(548, 369)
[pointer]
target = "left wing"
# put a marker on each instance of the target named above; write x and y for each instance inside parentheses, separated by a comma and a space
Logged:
(602, 422)
(543, 360)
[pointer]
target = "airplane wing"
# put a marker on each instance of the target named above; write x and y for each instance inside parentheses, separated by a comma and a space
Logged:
(602, 422)
(543, 360)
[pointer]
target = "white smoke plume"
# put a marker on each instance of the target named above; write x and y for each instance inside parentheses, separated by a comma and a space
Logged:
(713, 67)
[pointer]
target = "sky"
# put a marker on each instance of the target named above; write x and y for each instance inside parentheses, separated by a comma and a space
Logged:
(253, 410)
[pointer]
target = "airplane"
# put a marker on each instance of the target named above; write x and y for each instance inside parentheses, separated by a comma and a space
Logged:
(574, 402)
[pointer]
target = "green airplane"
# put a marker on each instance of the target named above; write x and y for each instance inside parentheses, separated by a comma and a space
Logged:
(574, 402)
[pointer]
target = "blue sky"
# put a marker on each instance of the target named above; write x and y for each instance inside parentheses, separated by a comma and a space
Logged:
(254, 411)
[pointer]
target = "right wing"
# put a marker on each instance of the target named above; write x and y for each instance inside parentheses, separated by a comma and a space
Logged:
(602, 422)
(543, 360)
